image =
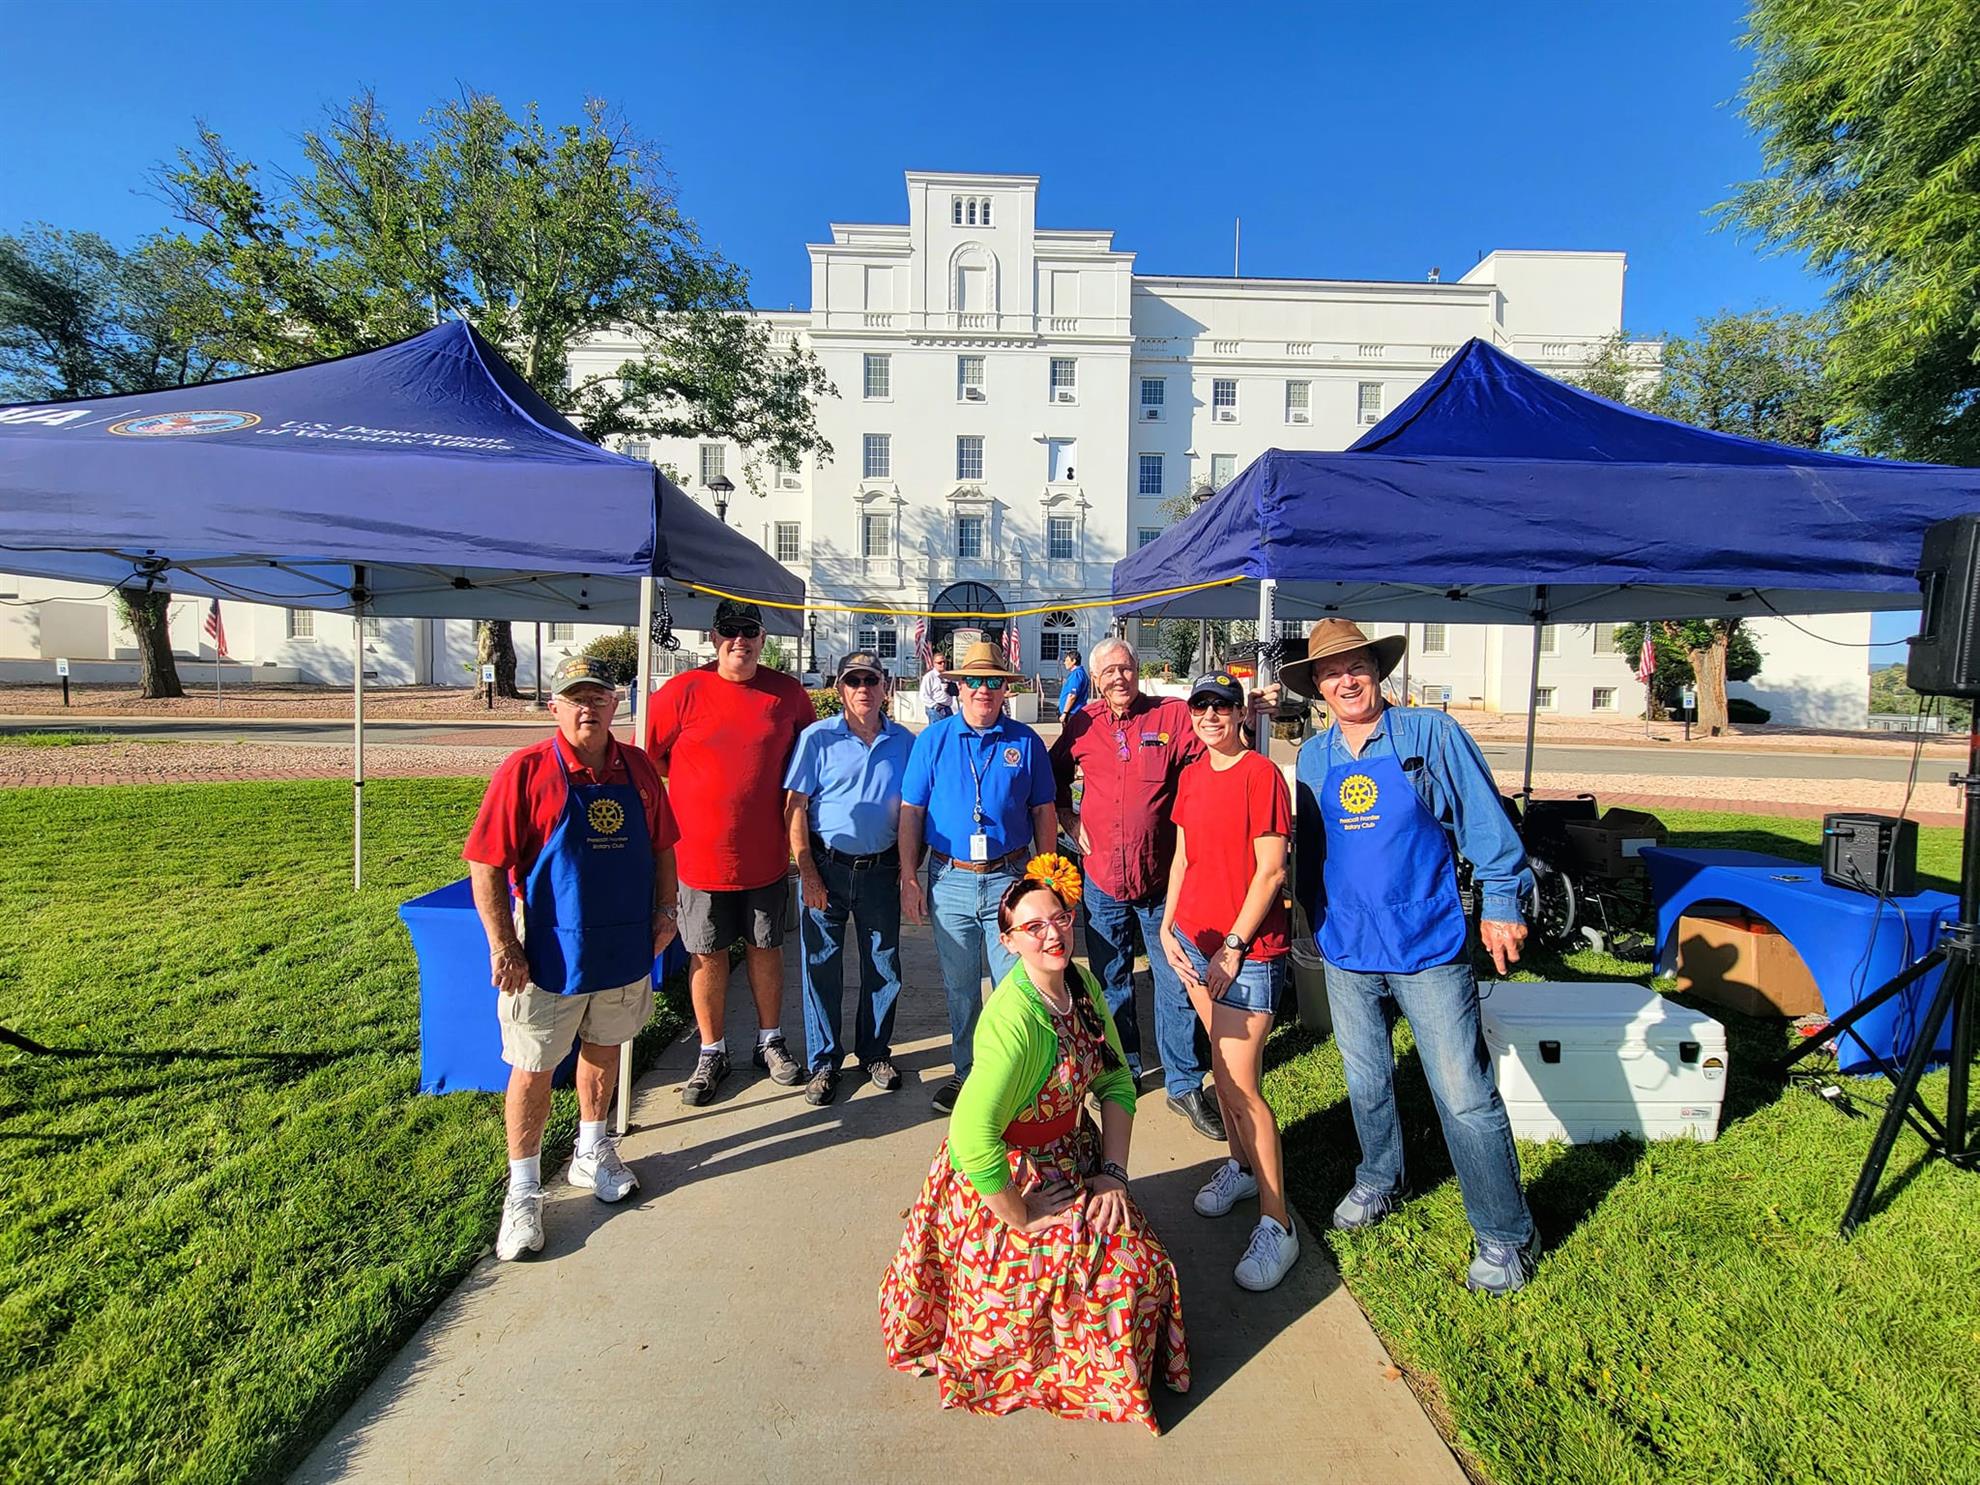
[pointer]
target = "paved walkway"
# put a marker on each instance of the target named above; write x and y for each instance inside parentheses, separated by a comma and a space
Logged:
(722, 1324)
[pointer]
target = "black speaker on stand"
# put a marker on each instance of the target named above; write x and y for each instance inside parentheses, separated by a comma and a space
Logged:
(1945, 661)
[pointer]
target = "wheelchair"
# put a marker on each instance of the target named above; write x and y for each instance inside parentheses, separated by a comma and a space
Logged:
(1590, 887)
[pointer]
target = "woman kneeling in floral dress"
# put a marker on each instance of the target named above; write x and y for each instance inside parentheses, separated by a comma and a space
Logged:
(1028, 1277)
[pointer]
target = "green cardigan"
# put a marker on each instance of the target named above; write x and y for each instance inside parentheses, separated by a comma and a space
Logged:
(1016, 1050)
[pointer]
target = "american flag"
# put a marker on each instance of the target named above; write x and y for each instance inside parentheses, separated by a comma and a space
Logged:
(216, 628)
(924, 657)
(1011, 643)
(1646, 663)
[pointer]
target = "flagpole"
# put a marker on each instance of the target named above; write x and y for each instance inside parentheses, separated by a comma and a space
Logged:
(357, 735)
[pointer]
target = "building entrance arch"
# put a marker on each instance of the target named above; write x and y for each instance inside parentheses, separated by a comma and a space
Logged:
(948, 623)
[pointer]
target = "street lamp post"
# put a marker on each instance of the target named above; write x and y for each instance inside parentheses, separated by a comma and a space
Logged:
(721, 487)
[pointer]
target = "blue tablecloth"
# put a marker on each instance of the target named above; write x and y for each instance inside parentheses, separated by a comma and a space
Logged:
(1850, 943)
(460, 1045)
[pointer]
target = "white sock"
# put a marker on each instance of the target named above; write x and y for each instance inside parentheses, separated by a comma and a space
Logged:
(720, 1045)
(526, 1174)
(591, 1134)
(768, 1034)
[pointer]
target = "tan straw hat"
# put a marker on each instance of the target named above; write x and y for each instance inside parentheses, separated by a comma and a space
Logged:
(1337, 637)
(982, 658)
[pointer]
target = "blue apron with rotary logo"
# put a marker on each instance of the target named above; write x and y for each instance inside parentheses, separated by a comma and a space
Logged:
(1392, 897)
(588, 900)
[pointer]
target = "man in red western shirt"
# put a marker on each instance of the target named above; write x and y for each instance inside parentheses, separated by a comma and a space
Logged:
(723, 735)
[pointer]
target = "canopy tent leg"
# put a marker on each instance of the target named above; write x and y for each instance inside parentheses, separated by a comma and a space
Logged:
(642, 693)
(1533, 694)
(357, 736)
(1267, 671)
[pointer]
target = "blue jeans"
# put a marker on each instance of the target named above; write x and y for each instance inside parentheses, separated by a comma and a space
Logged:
(1256, 988)
(963, 905)
(871, 899)
(1442, 1006)
(1112, 926)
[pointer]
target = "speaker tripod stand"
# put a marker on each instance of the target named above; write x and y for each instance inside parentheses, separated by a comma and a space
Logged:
(1957, 995)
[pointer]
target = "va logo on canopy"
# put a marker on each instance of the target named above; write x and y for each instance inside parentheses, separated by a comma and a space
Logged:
(180, 424)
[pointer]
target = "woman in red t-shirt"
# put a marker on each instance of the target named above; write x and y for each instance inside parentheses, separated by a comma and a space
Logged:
(1224, 931)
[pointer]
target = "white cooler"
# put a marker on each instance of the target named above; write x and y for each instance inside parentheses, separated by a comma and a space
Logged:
(1583, 1062)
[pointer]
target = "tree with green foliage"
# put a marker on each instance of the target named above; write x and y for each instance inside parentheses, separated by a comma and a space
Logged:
(1869, 122)
(1675, 670)
(539, 236)
(1889, 695)
(1611, 370)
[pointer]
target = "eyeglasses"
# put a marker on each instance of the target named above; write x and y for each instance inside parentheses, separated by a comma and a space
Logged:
(861, 680)
(984, 682)
(588, 704)
(1200, 707)
(1037, 927)
(739, 631)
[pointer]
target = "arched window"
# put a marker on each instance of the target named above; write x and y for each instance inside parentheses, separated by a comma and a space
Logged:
(986, 211)
(1058, 634)
(969, 215)
(955, 210)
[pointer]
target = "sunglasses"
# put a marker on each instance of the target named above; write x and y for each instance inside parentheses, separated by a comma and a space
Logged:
(1200, 707)
(984, 682)
(860, 680)
(1037, 927)
(739, 631)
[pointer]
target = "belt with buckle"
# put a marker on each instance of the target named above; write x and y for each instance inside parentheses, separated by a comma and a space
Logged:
(889, 857)
(984, 867)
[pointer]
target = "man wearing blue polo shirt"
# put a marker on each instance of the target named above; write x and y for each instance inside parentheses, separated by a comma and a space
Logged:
(844, 809)
(1073, 694)
(979, 790)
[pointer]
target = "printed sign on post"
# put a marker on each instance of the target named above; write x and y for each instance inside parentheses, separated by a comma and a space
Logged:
(1689, 697)
(62, 668)
(488, 674)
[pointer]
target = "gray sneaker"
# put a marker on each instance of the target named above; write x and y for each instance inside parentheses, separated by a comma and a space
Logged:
(1364, 1207)
(1500, 1268)
(775, 1058)
(708, 1074)
(946, 1096)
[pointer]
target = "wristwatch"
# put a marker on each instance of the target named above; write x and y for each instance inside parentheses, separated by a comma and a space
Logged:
(1115, 1169)
(667, 910)
(1232, 941)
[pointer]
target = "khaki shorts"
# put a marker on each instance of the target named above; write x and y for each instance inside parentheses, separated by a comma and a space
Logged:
(538, 1027)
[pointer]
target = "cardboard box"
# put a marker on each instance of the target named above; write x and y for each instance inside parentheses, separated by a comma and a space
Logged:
(1743, 964)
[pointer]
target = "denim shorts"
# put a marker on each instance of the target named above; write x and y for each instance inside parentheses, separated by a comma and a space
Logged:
(1256, 987)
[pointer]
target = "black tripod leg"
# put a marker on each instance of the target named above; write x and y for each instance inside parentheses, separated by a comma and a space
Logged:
(1952, 987)
(1894, 986)
(1957, 1134)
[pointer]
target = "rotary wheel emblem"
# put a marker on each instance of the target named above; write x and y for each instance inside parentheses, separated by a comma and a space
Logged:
(607, 816)
(1357, 794)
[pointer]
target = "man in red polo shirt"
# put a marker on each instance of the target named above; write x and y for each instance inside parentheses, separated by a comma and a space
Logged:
(572, 860)
(723, 735)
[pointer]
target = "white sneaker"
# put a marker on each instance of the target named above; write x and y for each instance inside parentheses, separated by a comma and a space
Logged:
(1267, 1257)
(1227, 1188)
(603, 1173)
(522, 1225)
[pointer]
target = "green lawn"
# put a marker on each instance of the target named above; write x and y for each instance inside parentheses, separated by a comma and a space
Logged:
(1696, 1318)
(222, 1215)
(53, 739)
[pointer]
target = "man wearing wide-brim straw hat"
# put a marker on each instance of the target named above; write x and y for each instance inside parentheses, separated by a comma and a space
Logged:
(978, 793)
(1389, 797)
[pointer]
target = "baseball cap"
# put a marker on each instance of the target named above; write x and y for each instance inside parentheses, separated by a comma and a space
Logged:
(1217, 686)
(736, 611)
(856, 661)
(582, 670)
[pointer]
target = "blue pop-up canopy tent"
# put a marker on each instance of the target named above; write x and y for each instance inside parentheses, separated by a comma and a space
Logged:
(424, 478)
(1497, 494)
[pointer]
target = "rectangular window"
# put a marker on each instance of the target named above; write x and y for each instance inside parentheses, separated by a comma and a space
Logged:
(1053, 643)
(877, 532)
(969, 378)
(1151, 474)
(877, 456)
(713, 461)
(1550, 639)
(1154, 391)
(302, 624)
(1605, 698)
(1059, 538)
(1299, 402)
(373, 628)
(634, 448)
(788, 541)
(1146, 534)
(788, 477)
(560, 634)
(969, 456)
(1605, 639)
(1368, 402)
(1545, 698)
(1436, 639)
(885, 643)
(1223, 469)
(879, 377)
(1223, 400)
(1065, 379)
(969, 536)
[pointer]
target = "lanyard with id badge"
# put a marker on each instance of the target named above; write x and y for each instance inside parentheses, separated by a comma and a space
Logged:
(979, 841)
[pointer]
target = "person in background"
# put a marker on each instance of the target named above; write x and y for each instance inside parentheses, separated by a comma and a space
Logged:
(723, 734)
(1028, 1277)
(978, 792)
(1224, 933)
(1073, 693)
(844, 797)
(1390, 797)
(938, 694)
(571, 859)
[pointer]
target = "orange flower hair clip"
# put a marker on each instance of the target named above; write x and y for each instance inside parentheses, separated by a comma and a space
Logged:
(1058, 873)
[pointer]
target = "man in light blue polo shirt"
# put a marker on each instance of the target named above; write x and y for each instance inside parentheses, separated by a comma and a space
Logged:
(843, 807)
(979, 790)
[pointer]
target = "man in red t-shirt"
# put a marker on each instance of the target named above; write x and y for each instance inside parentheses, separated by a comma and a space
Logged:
(723, 735)
(572, 861)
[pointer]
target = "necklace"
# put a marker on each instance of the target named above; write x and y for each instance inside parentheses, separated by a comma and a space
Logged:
(1057, 1010)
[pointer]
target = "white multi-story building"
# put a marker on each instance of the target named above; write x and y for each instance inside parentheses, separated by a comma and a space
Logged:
(1018, 408)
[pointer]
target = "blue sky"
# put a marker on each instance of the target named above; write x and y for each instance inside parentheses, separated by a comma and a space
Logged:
(1354, 141)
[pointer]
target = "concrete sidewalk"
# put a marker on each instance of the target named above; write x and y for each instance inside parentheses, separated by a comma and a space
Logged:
(722, 1323)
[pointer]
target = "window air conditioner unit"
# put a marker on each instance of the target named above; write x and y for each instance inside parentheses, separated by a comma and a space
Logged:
(1227, 415)
(1298, 417)
(1068, 397)
(972, 394)
(1151, 415)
